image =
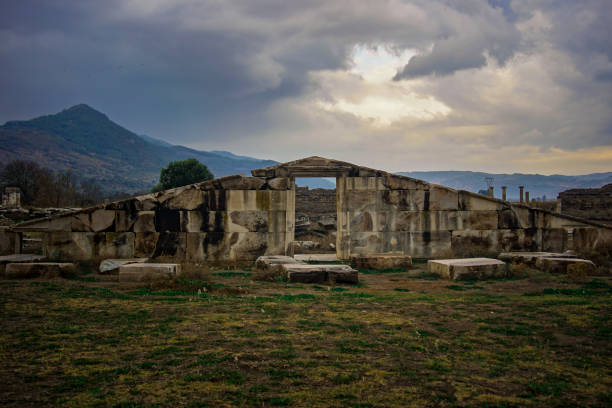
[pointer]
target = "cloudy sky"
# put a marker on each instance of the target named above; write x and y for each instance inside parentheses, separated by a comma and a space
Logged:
(501, 86)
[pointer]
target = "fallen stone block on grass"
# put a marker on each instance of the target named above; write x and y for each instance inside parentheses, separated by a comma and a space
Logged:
(147, 272)
(111, 266)
(467, 268)
(562, 265)
(46, 270)
(530, 258)
(304, 273)
(19, 258)
(267, 262)
(316, 257)
(381, 261)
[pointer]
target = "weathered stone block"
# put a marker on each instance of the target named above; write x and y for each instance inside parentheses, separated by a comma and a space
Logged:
(305, 273)
(554, 240)
(145, 243)
(19, 258)
(187, 199)
(467, 268)
(271, 265)
(530, 258)
(7, 241)
(426, 244)
(279, 183)
(477, 220)
(442, 198)
(58, 224)
(342, 276)
(146, 202)
(46, 270)
(241, 200)
(114, 245)
(77, 246)
(145, 222)
(146, 272)
(394, 182)
(251, 245)
(278, 222)
(204, 221)
(316, 257)
(240, 183)
(172, 245)
(361, 200)
(361, 222)
(313, 274)
(362, 183)
(469, 201)
(125, 220)
(561, 265)
(196, 250)
(381, 261)
(111, 266)
(248, 221)
(402, 200)
(102, 220)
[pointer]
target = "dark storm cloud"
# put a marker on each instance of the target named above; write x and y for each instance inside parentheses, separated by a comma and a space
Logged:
(473, 32)
(211, 73)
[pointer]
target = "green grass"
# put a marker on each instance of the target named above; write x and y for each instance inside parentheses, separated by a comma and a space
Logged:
(423, 343)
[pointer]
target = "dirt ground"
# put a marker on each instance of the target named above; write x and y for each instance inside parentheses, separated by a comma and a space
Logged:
(398, 338)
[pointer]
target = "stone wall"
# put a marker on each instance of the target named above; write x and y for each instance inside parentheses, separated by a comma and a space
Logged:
(9, 241)
(227, 219)
(240, 218)
(589, 203)
(397, 214)
(315, 202)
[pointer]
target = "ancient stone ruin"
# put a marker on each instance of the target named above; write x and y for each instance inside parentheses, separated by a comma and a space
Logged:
(241, 218)
(591, 203)
(11, 198)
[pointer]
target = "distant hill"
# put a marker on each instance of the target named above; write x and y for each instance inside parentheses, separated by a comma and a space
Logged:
(87, 141)
(537, 184)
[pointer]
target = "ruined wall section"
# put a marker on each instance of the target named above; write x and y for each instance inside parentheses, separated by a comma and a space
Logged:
(589, 203)
(232, 218)
(396, 214)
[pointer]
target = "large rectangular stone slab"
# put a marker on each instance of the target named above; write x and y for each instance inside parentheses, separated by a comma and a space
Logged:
(28, 270)
(305, 273)
(19, 258)
(111, 266)
(381, 261)
(146, 272)
(561, 265)
(467, 268)
(530, 258)
(316, 257)
(266, 262)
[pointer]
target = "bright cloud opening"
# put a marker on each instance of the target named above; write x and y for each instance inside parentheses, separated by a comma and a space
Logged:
(368, 91)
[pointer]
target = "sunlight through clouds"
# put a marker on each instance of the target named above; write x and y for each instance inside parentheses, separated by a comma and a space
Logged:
(372, 95)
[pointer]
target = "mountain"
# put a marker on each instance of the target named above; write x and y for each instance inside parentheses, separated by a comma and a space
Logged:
(156, 141)
(87, 141)
(538, 185)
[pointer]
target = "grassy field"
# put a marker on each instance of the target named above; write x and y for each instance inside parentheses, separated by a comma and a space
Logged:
(397, 339)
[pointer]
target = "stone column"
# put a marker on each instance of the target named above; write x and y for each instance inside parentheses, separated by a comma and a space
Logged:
(521, 188)
(504, 193)
(527, 197)
(491, 192)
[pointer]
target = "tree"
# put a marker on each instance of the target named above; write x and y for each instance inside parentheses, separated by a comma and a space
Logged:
(23, 174)
(181, 173)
